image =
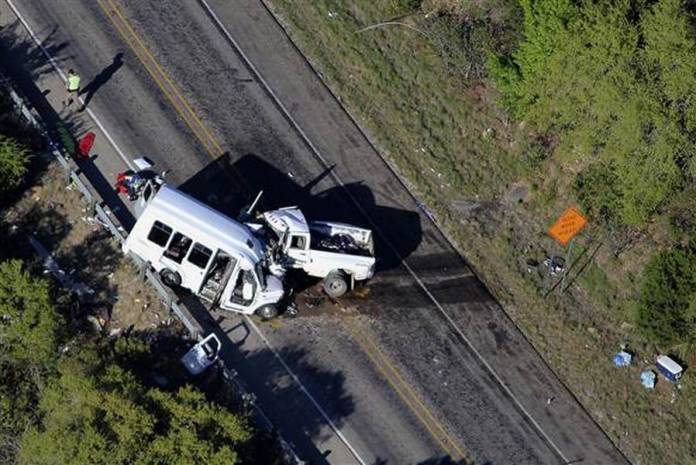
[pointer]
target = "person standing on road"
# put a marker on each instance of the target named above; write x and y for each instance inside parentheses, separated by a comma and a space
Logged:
(73, 87)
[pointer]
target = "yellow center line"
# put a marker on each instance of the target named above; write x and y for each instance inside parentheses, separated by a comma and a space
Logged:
(161, 78)
(406, 393)
(166, 77)
(214, 148)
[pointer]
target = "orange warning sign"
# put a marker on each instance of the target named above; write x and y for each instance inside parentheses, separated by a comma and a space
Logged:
(567, 226)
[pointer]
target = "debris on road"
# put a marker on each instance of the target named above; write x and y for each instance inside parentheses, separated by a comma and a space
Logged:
(202, 355)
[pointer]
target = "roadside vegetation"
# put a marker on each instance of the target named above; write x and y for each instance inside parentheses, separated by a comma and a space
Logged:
(94, 378)
(502, 113)
(68, 398)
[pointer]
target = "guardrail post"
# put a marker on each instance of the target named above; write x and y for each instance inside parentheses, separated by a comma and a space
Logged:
(142, 268)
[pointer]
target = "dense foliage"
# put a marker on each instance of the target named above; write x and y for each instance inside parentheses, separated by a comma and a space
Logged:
(70, 399)
(97, 412)
(667, 307)
(616, 80)
(29, 337)
(14, 162)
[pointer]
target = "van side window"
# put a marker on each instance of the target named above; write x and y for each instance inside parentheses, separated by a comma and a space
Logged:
(178, 248)
(243, 277)
(159, 234)
(200, 255)
(297, 242)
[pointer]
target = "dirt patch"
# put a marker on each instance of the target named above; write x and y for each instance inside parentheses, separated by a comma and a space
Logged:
(54, 213)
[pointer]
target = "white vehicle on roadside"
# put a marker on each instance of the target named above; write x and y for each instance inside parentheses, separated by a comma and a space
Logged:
(339, 253)
(198, 248)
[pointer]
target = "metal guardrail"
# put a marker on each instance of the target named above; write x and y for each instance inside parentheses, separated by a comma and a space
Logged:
(103, 215)
(101, 210)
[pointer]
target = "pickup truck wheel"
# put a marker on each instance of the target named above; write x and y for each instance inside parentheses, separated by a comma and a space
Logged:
(267, 312)
(336, 284)
(170, 278)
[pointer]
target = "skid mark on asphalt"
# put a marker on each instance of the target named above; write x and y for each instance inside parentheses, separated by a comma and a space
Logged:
(214, 149)
(416, 277)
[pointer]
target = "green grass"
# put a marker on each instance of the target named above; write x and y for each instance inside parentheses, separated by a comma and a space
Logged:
(448, 137)
(424, 122)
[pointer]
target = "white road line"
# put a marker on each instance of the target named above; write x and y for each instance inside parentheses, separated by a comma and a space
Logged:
(318, 154)
(63, 76)
(129, 163)
(306, 392)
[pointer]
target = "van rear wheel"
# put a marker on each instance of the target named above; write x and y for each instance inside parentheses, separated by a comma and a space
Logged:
(336, 283)
(170, 278)
(267, 312)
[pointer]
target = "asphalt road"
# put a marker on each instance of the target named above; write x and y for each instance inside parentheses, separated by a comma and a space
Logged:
(421, 368)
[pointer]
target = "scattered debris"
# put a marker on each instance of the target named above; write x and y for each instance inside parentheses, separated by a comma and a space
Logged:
(623, 359)
(292, 310)
(115, 332)
(202, 355)
(51, 266)
(555, 264)
(648, 379)
(670, 369)
(96, 323)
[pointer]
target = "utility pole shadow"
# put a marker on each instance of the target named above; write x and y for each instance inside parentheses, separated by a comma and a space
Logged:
(100, 79)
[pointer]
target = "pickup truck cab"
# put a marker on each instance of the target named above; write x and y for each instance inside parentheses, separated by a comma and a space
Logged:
(339, 253)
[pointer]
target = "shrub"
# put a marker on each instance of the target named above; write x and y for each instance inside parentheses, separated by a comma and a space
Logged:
(667, 305)
(14, 161)
(597, 190)
(28, 351)
(98, 412)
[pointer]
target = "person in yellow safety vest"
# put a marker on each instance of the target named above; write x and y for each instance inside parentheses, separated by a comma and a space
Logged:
(73, 87)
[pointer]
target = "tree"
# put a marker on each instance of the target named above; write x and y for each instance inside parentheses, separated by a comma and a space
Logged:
(616, 80)
(29, 338)
(29, 328)
(97, 412)
(14, 161)
(667, 306)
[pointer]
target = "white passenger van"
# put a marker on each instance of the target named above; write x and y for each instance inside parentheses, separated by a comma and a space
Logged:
(198, 248)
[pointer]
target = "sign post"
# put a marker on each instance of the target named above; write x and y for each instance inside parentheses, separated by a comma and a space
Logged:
(564, 230)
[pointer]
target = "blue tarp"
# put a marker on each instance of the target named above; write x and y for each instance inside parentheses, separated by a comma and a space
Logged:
(622, 359)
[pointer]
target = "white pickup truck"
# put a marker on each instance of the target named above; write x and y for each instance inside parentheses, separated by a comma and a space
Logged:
(339, 253)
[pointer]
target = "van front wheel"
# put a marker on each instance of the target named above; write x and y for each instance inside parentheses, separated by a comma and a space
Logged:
(267, 312)
(336, 283)
(170, 278)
